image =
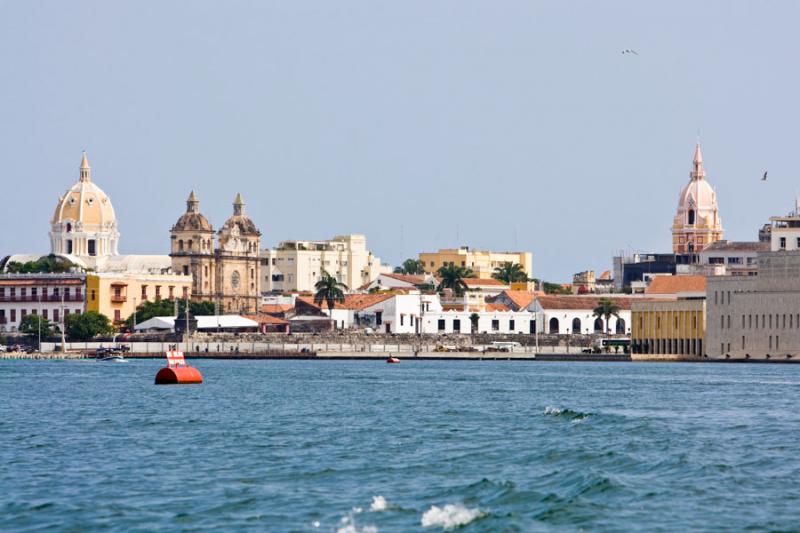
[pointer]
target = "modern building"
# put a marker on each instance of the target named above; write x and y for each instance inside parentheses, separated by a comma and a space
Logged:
(53, 296)
(298, 265)
(636, 268)
(481, 262)
(227, 272)
(697, 222)
(785, 232)
(669, 327)
(731, 258)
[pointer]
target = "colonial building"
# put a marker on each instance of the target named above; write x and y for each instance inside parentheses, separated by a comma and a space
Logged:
(229, 273)
(298, 265)
(53, 296)
(697, 222)
(481, 262)
(84, 233)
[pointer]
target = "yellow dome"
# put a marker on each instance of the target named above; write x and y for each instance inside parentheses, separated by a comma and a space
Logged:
(85, 203)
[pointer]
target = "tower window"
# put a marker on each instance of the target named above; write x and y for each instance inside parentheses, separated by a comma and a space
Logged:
(92, 247)
(69, 246)
(180, 245)
(691, 217)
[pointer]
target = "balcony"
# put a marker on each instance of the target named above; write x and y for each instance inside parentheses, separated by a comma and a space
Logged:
(43, 298)
(118, 298)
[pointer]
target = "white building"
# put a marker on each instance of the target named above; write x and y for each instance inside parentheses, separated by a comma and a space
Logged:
(53, 296)
(573, 315)
(298, 265)
(391, 281)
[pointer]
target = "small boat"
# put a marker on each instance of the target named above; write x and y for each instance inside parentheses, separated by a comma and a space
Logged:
(112, 359)
(393, 359)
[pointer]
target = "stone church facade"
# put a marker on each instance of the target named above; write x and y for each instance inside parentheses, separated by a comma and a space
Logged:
(224, 266)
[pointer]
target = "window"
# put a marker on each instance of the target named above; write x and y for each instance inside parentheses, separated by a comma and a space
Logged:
(144, 293)
(185, 270)
(690, 217)
(55, 315)
(44, 314)
(13, 315)
(716, 260)
(440, 324)
(734, 260)
(34, 292)
(511, 325)
(783, 246)
(457, 325)
(93, 295)
(92, 247)
(495, 325)
(722, 322)
(402, 319)
(117, 316)
(180, 246)
(171, 292)
(158, 292)
(69, 246)
(186, 293)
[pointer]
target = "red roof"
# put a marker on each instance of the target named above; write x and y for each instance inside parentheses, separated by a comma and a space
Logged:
(267, 319)
(497, 307)
(520, 299)
(478, 282)
(276, 309)
(414, 280)
(676, 284)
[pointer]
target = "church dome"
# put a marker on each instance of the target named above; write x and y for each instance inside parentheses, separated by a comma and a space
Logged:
(239, 222)
(85, 203)
(697, 222)
(84, 222)
(192, 219)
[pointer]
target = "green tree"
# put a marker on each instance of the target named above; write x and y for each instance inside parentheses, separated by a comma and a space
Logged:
(85, 326)
(452, 277)
(551, 288)
(29, 325)
(410, 267)
(329, 290)
(473, 319)
(606, 308)
(47, 264)
(509, 272)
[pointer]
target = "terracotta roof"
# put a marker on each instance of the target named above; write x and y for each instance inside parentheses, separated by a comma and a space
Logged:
(414, 280)
(351, 301)
(497, 307)
(605, 276)
(520, 299)
(276, 308)
(267, 319)
(676, 284)
(478, 282)
(552, 301)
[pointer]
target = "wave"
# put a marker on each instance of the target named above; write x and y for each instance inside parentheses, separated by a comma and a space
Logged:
(450, 516)
(378, 504)
(568, 414)
(348, 524)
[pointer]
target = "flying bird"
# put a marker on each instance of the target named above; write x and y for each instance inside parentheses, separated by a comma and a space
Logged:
(764, 177)
(630, 51)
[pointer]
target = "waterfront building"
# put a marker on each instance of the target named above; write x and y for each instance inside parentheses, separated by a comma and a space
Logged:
(481, 262)
(118, 294)
(393, 282)
(474, 298)
(298, 265)
(84, 233)
(227, 272)
(572, 315)
(669, 327)
(697, 222)
(53, 296)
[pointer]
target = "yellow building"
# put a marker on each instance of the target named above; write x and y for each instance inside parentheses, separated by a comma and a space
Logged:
(481, 262)
(116, 295)
(669, 327)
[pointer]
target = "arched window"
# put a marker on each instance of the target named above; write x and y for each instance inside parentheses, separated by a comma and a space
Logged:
(554, 326)
(620, 326)
(180, 245)
(576, 325)
(691, 217)
(190, 245)
(69, 227)
(598, 325)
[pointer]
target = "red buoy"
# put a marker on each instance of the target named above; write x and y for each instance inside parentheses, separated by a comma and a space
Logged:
(393, 359)
(177, 371)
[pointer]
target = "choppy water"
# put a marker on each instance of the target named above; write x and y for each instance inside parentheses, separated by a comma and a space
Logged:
(365, 446)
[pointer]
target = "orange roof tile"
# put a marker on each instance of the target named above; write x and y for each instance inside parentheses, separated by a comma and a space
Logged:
(414, 280)
(267, 319)
(520, 299)
(676, 284)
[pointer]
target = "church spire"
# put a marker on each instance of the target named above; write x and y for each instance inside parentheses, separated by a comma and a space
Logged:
(697, 171)
(86, 171)
(192, 204)
(238, 205)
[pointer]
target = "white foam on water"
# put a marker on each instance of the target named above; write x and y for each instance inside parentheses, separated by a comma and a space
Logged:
(378, 504)
(358, 510)
(552, 411)
(449, 516)
(315, 523)
(348, 525)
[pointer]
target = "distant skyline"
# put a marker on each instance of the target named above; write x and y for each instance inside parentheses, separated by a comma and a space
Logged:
(421, 125)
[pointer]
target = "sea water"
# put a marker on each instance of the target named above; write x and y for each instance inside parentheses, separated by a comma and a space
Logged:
(362, 446)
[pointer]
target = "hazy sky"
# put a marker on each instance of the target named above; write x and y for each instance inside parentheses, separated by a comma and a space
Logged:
(490, 124)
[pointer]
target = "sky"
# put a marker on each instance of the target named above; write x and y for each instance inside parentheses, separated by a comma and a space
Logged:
(420, 124)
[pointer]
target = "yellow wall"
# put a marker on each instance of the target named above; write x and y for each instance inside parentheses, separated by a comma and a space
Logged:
(101, 291)
(663, 325)
(482, 262)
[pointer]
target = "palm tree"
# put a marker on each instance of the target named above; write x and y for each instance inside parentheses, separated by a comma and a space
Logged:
(410, 267)
(329, 290)
(452, 277)
(509, 272)
(606, 308)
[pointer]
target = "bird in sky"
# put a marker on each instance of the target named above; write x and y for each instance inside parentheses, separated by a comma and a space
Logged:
(630, 51)
(764, 177)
